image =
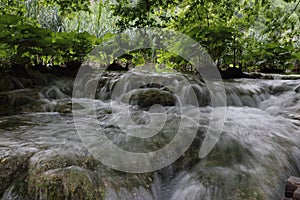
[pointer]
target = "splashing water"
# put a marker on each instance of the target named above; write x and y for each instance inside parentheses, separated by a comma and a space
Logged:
(42, 156)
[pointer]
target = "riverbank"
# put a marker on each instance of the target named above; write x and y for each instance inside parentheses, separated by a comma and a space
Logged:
(20, 77)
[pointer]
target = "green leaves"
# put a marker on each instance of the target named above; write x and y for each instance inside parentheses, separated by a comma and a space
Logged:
(260, 32)
(144, 13)
(24, 43)
(138, 60)
(9, 19)
(68, 7)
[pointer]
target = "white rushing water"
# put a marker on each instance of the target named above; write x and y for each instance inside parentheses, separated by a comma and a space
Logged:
(42, 156)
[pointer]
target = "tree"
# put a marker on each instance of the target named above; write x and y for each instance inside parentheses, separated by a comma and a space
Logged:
(25, 42)
(144, 13)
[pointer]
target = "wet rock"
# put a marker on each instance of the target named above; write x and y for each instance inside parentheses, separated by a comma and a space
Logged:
(151, 96)
(15, 101)
(20, 100)
(31, 100)
(19, 77)
(294, 116)
(54, 176)
(37, 106)
(63, 107)
(48, 174)
(54, 93)
(11, 166)
(152, 85)
(66, 106)
(64, 183)
(297, 89)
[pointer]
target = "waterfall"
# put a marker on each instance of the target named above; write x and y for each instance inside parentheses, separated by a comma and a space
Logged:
(43, 156)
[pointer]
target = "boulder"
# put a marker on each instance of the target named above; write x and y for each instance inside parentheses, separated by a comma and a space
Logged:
(12, 165)
(150, 96)
(72, 182)
(297, 89)
(12, 102)
(63, 107)
(35, 176)
(292, 184)
(33, 107)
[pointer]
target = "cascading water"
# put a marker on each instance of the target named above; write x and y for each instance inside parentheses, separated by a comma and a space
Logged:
(42, 156)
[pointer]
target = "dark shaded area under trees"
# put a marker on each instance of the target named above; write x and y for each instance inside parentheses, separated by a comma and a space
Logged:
(239, 35)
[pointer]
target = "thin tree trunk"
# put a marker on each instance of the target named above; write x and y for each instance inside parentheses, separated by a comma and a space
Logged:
(234, 51)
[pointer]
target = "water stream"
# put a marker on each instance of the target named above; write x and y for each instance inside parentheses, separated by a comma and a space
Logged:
(43, 157)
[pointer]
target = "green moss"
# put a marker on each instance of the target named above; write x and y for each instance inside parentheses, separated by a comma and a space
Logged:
(249, 194)
(227, 153)
(62, 161)
(118, 180)
(12, 167)
(66, 183)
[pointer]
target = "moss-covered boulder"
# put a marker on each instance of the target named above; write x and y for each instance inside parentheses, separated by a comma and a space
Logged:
(63, 107)
(149, 97)
(12, 165)
(64, 183)
(55, 175)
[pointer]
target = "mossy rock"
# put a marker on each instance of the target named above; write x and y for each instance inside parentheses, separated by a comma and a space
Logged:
(19, 101)
(64, 183)
(149, 97)
(58, 176)
(11, 166)
(67, 106)
(227, 153)
(63, 107)
(33, 107)
(118, 180)
(48, 159)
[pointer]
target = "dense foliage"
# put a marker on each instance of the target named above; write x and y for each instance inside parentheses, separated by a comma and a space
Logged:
(256, 34)
(248, 34)
(33, 32)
